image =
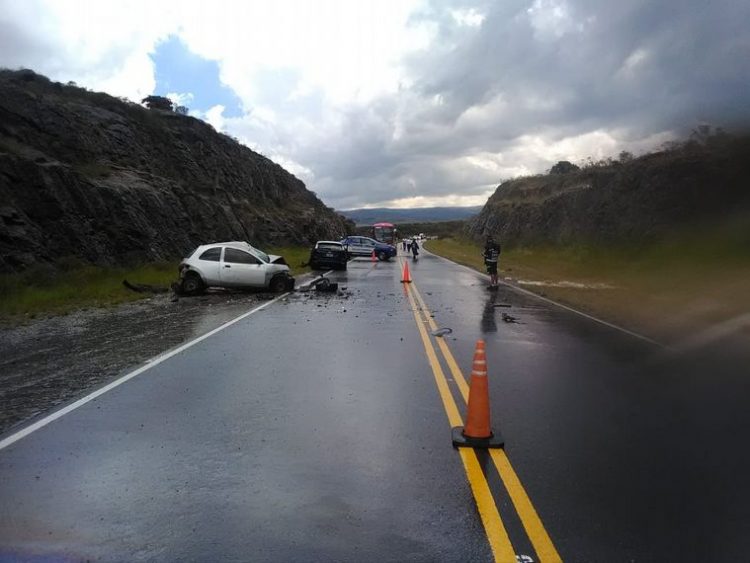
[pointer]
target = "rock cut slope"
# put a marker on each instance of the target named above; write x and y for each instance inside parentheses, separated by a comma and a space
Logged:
(636, 201)
(106, 181)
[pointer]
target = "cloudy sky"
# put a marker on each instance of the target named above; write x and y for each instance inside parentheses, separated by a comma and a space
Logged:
(408, 103)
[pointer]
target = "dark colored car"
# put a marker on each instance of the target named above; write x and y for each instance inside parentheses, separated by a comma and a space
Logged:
(328, 254)
(364, 246)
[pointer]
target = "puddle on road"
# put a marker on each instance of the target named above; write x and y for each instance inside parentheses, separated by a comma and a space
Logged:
(566, 284)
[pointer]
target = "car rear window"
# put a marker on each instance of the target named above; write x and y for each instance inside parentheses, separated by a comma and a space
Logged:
(212, 254)
(330, 245)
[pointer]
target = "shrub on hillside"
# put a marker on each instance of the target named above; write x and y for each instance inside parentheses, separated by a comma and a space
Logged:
(563, 167)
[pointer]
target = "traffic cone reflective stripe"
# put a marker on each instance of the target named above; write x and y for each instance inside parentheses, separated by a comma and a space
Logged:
(477, 432)
(405, 275)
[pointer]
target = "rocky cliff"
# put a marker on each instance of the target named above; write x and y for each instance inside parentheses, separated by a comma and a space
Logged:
(635, 201)
(104, 180)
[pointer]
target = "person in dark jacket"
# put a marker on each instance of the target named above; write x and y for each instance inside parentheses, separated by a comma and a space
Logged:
(491, 258)
(414, 248)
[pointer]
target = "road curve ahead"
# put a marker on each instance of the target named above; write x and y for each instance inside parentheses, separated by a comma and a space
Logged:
(318, 429)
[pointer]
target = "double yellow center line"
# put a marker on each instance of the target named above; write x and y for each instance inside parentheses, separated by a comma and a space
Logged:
(497, 535)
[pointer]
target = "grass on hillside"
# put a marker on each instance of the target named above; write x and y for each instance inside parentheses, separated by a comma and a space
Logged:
(44, 290)
(667, 290)
(295, 257)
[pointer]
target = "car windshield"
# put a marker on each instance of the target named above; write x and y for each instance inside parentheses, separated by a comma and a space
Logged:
(260, 254)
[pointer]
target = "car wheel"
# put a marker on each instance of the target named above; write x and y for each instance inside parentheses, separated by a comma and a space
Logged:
(278, 284)
(192, 284)
(382, 256)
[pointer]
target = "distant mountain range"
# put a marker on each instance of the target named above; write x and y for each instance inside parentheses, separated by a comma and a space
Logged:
(419, 215)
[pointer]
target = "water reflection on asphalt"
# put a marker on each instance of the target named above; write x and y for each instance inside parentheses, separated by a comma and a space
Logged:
(50, 361)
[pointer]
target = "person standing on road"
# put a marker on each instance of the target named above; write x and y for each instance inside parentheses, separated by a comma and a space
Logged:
(491, 257)
(414, 248)
(403, 241)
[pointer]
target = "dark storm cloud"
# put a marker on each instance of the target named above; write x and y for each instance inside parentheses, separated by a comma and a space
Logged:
(600, 61)
(553, 69)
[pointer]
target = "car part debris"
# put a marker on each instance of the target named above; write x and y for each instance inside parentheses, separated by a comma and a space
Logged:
(144, 288)
(326, 285)
(442, 331)
(509, 318)
(502, 305)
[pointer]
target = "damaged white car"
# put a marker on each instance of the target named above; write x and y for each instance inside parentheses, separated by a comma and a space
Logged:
(233, 264)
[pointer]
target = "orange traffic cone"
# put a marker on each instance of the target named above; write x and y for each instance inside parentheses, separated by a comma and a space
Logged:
(405, 275)
(477, 432)
(373, 258)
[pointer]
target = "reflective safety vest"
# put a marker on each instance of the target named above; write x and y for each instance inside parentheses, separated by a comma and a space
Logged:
(491, 253)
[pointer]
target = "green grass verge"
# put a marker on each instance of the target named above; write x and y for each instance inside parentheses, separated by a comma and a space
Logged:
(295, 256)
(45, 290)
(667, 290)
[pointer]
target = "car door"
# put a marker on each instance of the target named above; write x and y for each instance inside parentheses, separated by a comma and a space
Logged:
(368, 245)
(354, 246)
(242, 269)
(209, 265)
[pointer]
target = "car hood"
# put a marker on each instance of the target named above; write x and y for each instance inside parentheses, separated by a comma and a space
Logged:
(277, 259)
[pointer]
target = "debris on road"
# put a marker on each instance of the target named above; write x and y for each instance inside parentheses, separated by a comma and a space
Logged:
(324, 284)
(442, 331)
(509, 318)
(144, 288)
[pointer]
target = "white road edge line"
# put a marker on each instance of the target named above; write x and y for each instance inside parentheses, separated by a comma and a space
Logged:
(102, 390)
(571, 309)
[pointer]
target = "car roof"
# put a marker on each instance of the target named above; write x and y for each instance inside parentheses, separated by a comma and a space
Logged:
(238, 244)
(234, 243)
(367, 238)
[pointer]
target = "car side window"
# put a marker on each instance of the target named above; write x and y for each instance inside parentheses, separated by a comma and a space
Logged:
(239, 257)
(212, 254)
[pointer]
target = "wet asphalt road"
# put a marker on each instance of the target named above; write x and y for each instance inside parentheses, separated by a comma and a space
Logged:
(313, 430)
